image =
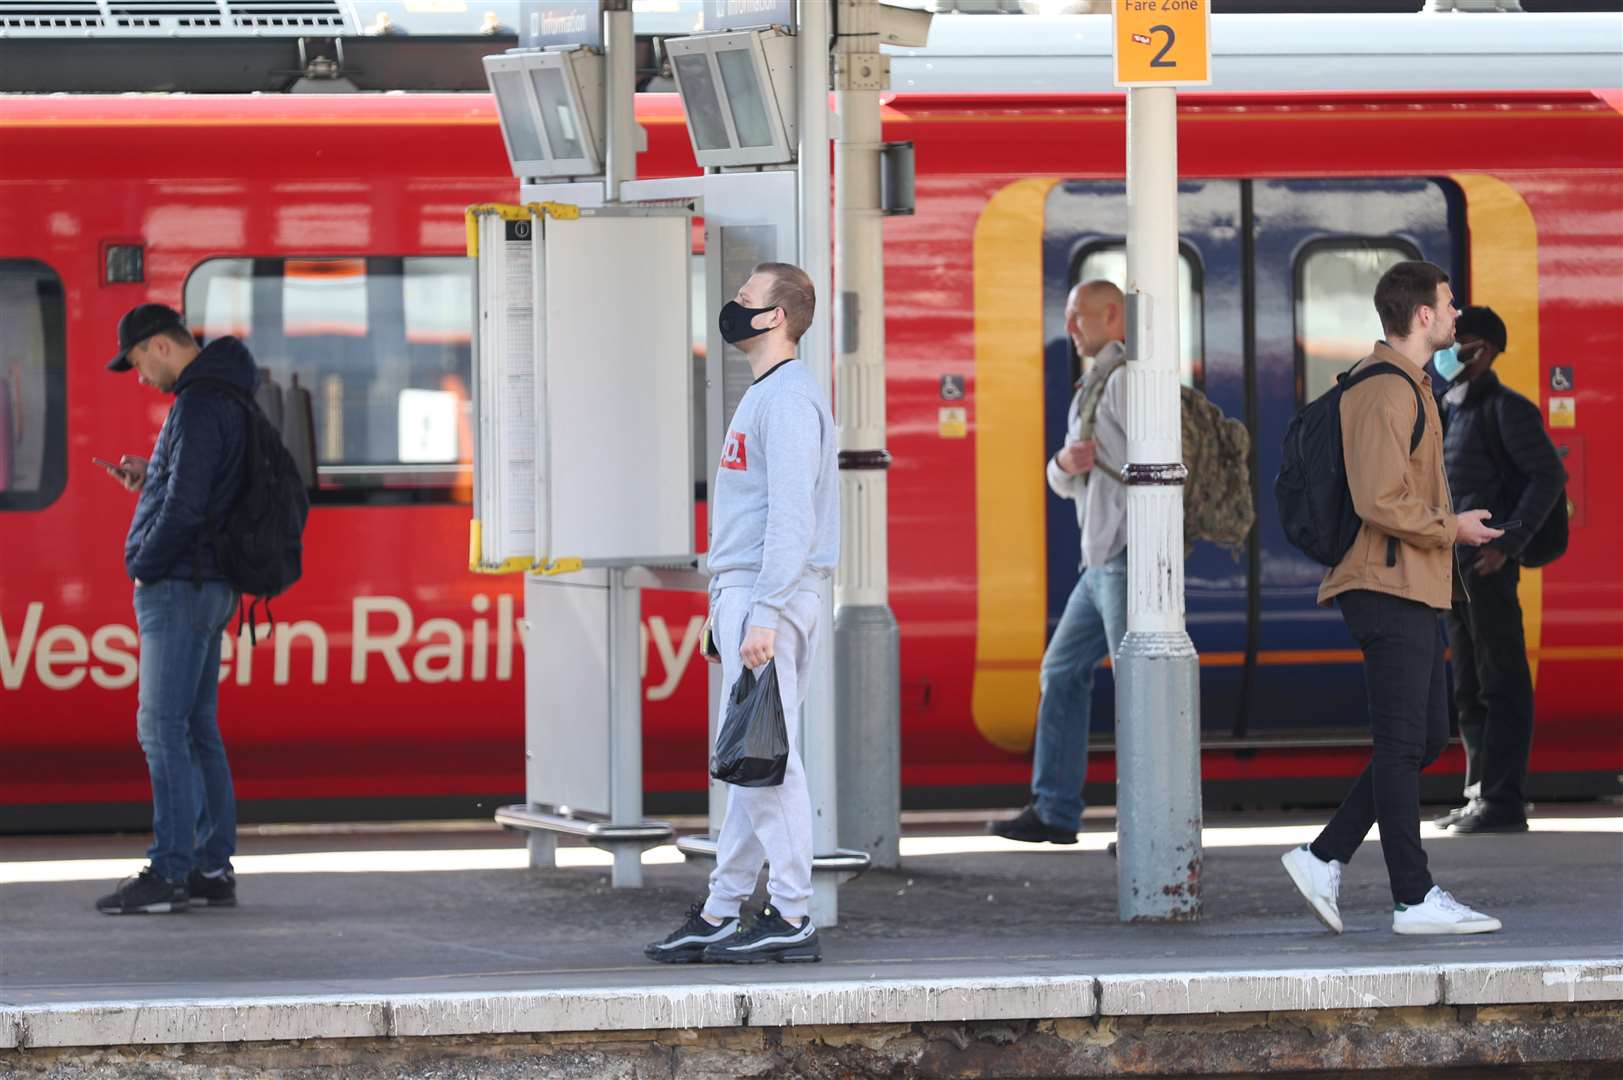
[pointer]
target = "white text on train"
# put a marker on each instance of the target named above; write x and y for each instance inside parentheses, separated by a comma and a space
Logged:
(384, 637)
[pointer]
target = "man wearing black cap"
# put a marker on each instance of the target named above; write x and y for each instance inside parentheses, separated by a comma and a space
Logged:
(182, 606)
(1498, 457)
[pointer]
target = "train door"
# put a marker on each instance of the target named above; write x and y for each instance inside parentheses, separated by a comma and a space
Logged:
(1083, 240)
(1318, 248)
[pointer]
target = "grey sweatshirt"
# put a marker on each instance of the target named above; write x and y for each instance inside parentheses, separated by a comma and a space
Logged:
(1101, 504)
(775, 505)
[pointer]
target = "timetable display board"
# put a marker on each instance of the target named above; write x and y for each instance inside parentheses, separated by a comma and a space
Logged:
(505, 490)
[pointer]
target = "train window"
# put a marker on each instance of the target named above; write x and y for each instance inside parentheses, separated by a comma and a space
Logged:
(377, 351)
(33, 385)
(1109, 261)
(1335, 309)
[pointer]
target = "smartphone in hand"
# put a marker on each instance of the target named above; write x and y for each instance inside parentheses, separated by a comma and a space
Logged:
(128, 475)
(1514, 523)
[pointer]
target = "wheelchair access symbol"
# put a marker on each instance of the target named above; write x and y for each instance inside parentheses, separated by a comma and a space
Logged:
(1561, 379)
(952, 387)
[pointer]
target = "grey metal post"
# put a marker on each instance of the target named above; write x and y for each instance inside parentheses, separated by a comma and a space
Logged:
(625, 721)
(1158, 812)
(819, 736)
(619, 98)
(867, 640)
(543, 849)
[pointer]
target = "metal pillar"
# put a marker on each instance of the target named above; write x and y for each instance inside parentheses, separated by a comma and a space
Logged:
(867, 640)
(619, 98)
(819, 739)
(625, 720)
(1158, 811)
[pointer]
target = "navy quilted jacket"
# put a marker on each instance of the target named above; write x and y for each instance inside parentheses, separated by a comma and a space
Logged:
(1529, 481)
(195, 472)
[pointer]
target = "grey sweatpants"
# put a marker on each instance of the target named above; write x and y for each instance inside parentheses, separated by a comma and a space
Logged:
(767, 824)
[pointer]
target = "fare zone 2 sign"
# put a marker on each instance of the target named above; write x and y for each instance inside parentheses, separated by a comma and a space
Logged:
(1163, 42)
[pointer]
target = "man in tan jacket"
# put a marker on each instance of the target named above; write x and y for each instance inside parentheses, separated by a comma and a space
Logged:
(1391, 587)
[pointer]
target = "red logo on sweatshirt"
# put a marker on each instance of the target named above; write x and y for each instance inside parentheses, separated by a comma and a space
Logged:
(732, 452)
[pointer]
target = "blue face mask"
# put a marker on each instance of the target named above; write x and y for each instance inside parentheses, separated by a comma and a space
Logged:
(1447, 363)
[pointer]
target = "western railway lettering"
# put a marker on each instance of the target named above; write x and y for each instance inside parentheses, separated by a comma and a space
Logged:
(385, 641)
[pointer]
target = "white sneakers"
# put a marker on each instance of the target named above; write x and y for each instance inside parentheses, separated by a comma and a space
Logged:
(1318, 882)
(1440, 913)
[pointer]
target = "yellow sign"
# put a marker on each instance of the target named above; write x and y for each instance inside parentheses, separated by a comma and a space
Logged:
(953, 422)
(1563, 412)
(1163, 42)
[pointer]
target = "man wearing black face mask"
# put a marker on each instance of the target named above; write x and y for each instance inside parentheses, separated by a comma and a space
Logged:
(774, 540)
(1498, 457)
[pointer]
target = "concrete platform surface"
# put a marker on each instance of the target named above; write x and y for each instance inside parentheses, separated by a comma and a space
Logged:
(439, 933)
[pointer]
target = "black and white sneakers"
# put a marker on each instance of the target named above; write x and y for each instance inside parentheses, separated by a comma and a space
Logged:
(686, 944)
(770, 937)
(145, 894)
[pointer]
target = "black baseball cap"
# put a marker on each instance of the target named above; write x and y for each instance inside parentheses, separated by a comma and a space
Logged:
(138, 324)
(1484, 323)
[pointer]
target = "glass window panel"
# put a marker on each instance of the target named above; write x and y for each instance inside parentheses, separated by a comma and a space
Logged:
(745, 97)
(33, 367)
(1335, 308)
(1109, 263)
(558, 114)
(701, 101)
(382, 347)
(517, 116)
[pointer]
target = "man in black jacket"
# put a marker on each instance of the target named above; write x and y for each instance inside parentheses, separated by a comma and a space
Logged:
(1499, 458)
(182, 606)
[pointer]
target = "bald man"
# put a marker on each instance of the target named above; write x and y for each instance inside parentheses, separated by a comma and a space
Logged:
(1086, 470)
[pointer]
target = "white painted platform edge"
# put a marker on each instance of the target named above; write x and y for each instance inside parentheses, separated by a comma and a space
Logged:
(844, 1002)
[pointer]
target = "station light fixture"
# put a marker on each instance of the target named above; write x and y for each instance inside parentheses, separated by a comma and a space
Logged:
(738, 90)
(550, 104)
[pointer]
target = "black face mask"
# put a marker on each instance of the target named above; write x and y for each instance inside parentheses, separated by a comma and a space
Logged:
(735, 322)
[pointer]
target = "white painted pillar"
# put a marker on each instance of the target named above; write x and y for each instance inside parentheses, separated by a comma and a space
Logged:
(867, 639)
(1158, 673)
(818, 717)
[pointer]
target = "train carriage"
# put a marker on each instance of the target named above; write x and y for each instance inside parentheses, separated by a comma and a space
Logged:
(327, 232)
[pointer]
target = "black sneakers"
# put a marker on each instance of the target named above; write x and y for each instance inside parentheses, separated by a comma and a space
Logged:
(145, 893)
(208, 891)
(1027, 826)
(769, 937)
(686, 944)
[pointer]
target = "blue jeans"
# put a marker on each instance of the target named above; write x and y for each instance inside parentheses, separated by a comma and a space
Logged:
(1091, 628)
(194, 810)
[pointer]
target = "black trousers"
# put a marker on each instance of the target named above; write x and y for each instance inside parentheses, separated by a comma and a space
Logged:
(1493, 689)
(1408, 718)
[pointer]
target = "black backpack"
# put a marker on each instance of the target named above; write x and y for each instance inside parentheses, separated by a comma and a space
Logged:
(1315, 505)
(1549, 542)
(259, 540)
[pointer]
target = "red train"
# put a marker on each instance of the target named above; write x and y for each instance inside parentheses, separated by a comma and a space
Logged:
(328, 232)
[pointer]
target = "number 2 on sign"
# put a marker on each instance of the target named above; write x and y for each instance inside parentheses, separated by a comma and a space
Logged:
(1159, 62)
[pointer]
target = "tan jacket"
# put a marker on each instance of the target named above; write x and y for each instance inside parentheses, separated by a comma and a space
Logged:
(1406, 545)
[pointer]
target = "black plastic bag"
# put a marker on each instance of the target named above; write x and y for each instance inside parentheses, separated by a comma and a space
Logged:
(753, 747)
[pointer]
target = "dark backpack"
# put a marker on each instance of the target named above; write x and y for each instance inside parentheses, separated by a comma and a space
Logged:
(1549, 542)
(259, 540)
(1315, 504)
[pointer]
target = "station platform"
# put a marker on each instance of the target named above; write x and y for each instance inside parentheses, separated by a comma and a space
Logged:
(433, 951)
